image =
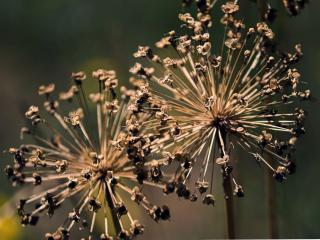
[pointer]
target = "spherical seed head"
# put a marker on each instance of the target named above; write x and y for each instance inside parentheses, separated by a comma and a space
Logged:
(217, 102)
(95, 167)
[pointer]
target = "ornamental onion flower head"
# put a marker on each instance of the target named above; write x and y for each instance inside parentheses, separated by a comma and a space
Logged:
(216, 100)
(95, 164)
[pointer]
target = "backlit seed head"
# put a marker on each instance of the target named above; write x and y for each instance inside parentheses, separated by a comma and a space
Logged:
(219, 103)
(97, 168)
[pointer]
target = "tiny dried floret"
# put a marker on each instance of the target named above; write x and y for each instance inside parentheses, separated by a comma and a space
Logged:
(78, 77)
(75, 117)
(202, 186)
(46, 90)
(263, 28)
(208, 199)
(230, 8)
(238, 191)
(32, 111)
(67, 96)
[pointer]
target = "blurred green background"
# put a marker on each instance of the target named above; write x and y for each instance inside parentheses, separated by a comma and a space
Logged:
(44, 41)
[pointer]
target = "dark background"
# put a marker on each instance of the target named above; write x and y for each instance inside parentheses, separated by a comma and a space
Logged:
(44, 41)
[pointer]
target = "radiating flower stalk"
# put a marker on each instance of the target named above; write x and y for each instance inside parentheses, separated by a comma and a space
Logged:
(240, 96)
(101, 166)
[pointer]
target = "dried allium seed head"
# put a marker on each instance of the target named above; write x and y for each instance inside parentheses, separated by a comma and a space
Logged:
(241, 98)
(97, 168)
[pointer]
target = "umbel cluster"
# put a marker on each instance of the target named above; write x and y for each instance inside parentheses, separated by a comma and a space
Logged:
(189, 111)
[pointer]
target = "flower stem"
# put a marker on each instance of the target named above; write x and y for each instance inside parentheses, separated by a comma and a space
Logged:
(115, 219)
(227, 187)
(272, 206)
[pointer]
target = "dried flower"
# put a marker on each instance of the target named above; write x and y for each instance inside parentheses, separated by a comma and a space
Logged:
(241, 98)
(95, 167)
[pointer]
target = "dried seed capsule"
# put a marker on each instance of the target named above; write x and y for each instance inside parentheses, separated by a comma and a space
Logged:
(202, 186)
(280, 174)
(169, 187)
(238, 191)
(208, 199)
